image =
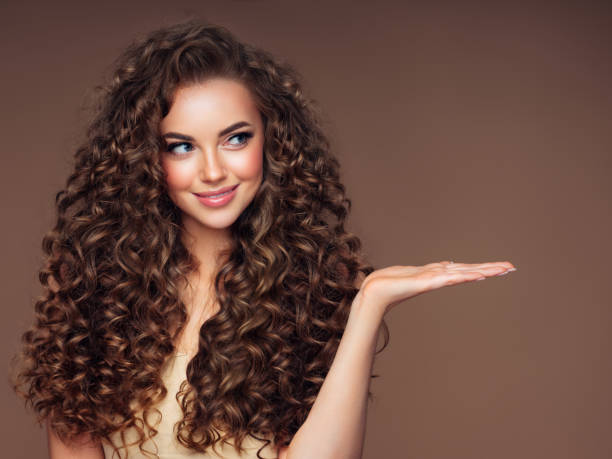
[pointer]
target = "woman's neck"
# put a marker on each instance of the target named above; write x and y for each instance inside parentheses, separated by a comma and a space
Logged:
(210, 247)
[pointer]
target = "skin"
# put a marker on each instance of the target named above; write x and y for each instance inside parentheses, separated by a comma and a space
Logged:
(210, 162)
(206, 163)
(321, 435)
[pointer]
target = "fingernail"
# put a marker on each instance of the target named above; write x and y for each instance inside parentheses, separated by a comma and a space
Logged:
(512, 269)
(501, 274)
(481, 278)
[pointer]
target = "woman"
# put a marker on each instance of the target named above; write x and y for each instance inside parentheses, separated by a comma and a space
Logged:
(201, 294)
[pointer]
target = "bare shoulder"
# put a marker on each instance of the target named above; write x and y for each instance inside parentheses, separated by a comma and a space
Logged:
(82, 448)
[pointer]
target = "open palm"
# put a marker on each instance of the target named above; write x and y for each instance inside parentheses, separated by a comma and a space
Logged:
(390, 286)
(379, 292)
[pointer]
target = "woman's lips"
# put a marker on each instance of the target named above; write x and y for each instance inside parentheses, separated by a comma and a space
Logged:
(208, 194)
(226, 195)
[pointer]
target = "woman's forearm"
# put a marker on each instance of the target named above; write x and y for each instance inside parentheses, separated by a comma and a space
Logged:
(335, 426)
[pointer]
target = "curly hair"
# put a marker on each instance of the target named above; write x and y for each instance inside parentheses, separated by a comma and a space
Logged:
(110, 310)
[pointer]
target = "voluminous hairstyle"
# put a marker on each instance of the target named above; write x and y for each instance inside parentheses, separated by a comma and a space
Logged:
(110, 310)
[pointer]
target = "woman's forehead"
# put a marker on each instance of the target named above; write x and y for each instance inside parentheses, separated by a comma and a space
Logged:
(213, 103)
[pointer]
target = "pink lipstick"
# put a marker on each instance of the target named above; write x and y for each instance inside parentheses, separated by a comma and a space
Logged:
(218, 197)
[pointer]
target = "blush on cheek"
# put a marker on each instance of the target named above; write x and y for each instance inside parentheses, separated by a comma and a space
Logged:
(249, 166)
(179, 175)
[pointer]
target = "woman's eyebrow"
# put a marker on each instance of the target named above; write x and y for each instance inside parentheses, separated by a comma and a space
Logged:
(227, 130)
(233, 127)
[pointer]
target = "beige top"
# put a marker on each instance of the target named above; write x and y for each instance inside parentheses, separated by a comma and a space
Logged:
(165, 442)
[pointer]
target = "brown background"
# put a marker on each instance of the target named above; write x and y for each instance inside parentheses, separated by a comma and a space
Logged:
(467, 131)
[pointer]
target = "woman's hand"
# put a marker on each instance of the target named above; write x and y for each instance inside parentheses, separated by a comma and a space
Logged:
(335, 426)
(389, 286)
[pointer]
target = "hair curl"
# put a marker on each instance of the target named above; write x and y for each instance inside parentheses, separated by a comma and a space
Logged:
(110, 310)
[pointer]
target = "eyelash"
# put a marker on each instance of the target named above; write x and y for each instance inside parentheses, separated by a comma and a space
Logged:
(171, 146)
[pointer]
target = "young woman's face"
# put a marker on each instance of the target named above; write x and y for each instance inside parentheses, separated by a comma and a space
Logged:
(214, 139)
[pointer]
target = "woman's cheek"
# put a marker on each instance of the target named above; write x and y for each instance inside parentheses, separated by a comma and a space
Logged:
(179, 174)
(250, 165)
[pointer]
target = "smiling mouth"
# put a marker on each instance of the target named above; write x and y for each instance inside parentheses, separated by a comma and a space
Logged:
(217, 195)
(213, 196)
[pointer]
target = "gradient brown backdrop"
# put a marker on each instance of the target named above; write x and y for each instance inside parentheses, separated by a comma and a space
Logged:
(467, 131)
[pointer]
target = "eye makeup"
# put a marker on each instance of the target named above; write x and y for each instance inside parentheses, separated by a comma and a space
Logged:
(246, 135)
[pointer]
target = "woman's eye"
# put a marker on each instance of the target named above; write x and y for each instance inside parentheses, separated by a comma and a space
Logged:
(180, 148)
(240, 139)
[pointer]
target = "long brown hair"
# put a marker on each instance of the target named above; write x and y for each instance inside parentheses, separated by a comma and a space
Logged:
(110, 309)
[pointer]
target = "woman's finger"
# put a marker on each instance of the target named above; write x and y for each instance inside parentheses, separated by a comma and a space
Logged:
(483, 269)
(463, 266)
(391, 285)
(460, 277)
(448, 278)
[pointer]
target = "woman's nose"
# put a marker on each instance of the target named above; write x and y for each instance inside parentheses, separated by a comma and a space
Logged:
(211, 167)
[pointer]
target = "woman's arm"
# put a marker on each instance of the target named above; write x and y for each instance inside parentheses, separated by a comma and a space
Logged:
(335, 426)
(82, 448)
